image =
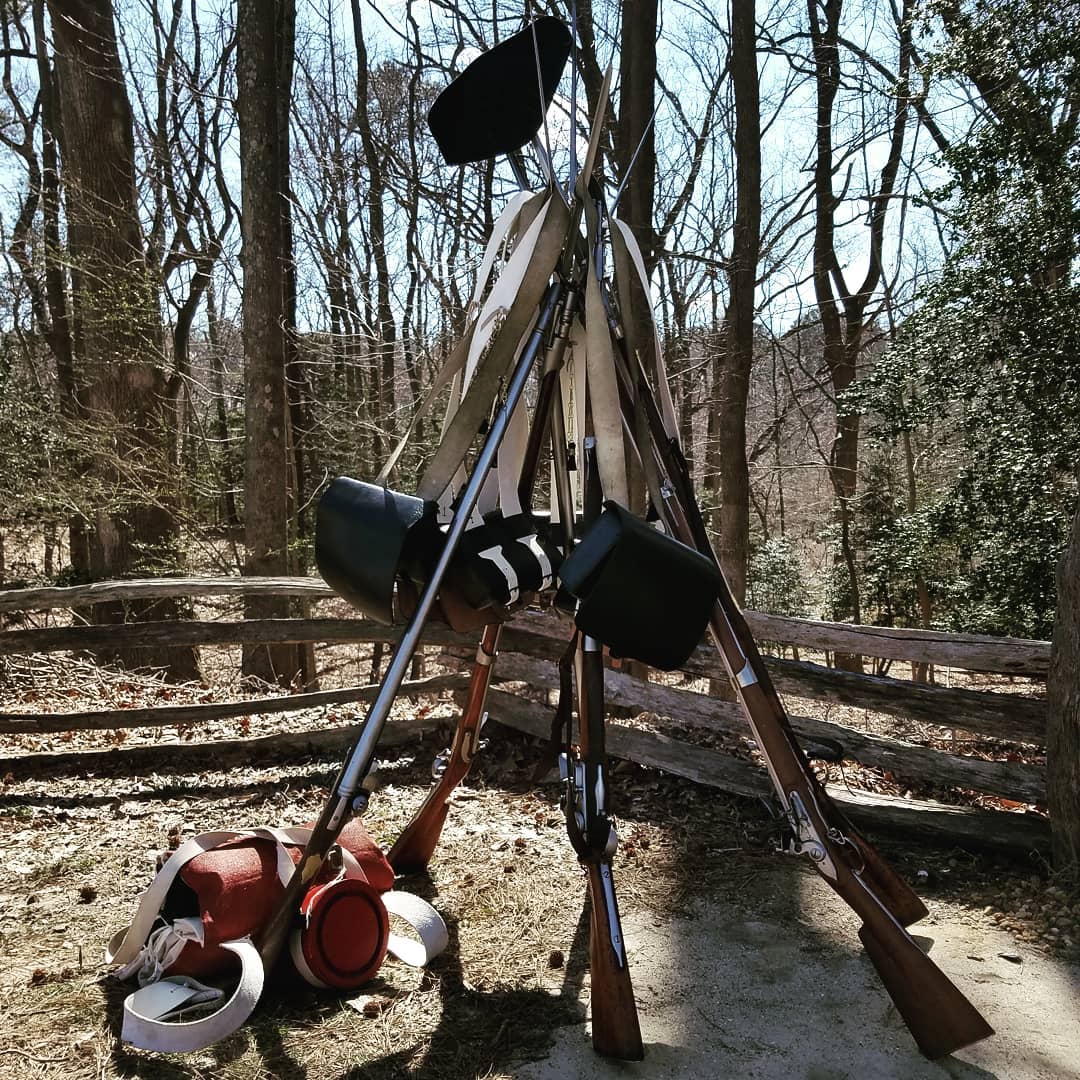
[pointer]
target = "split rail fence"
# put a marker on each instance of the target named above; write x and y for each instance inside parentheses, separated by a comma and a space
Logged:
(530, 645)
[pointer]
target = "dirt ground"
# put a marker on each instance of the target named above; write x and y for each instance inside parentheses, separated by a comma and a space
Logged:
(778, 988)
(743, 963)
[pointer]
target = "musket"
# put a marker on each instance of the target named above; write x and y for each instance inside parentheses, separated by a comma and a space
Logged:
(688, 526)
(414, 847)
(939, 1016)
(486, 79)
(616, 1032)
(549, 44)
(348, 796)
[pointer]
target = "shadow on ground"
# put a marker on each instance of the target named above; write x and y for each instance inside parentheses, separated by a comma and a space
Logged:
(784, 991)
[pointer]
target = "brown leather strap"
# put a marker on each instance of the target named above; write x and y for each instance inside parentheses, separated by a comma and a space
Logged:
(558, 740)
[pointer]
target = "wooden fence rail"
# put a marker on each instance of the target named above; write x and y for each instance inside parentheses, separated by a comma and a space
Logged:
(1007, 656)
(531, 641)
(1010, 717)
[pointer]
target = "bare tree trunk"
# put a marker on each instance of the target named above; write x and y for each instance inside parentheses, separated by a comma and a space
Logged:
(716, 345)
(637, 81)
(843, 465)
(1063, 716)
(384, 346)
(920, 673)
(734, 546)
(58, 333)
(264, 79)
(117, 329)
(843, 309)
(225, 467)
(637, 75)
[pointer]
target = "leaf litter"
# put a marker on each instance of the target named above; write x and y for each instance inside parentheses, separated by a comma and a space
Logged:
(78, 850)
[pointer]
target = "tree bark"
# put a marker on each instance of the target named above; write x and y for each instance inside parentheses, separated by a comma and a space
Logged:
(225, 467)
(117, 332)
(637, 81)
(734, 545)
(384, 346)
(58, 333)
(843, 309)
(264, 61)
(636, 135)
(1063, 719)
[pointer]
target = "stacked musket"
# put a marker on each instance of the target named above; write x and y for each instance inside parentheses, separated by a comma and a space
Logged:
(468, 548)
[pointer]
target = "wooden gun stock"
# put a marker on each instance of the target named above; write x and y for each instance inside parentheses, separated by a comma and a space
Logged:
(940, 1018)
(414, 847)
(936, 1013)
(903, 903)
(616, 1032)
(734, 639)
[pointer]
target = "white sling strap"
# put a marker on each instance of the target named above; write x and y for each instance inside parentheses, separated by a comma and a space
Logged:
(460, 354)
(539, 252)
(152, 1014)
(603, 383)
(572, 376)
(148, 1012)
(507, 284)
(626, 246)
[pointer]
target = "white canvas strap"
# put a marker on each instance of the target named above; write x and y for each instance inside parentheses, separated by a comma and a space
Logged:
(539, 252)
(511, 306)
(577, 387)
(431, 935)
(524, 212)
(459, 356)
(146, 950)
(572, 380)
(148, 1012)
(532, 542)
(511, 458)
(161, 950)
(495, 555)
(626, 246)
(504, 225)
(503, 292)
(603, 381)
(449, 374)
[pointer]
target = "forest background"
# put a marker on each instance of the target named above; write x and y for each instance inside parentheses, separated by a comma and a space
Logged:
(234, 261)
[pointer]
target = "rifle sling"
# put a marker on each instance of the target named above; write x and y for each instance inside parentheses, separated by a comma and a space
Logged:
(602, 380)
(492, 369)
(559, 738)
(519, 212)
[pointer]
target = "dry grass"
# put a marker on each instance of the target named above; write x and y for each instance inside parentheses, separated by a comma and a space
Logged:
(76, 853)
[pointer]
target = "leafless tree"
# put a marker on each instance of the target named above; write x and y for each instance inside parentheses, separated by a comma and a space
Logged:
(264, 66)
(121, 380)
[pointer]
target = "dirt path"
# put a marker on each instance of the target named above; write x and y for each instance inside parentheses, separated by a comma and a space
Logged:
(744, 964)
(785, 992)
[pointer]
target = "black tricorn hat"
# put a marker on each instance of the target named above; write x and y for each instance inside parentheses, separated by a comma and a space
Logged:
(494, 106)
